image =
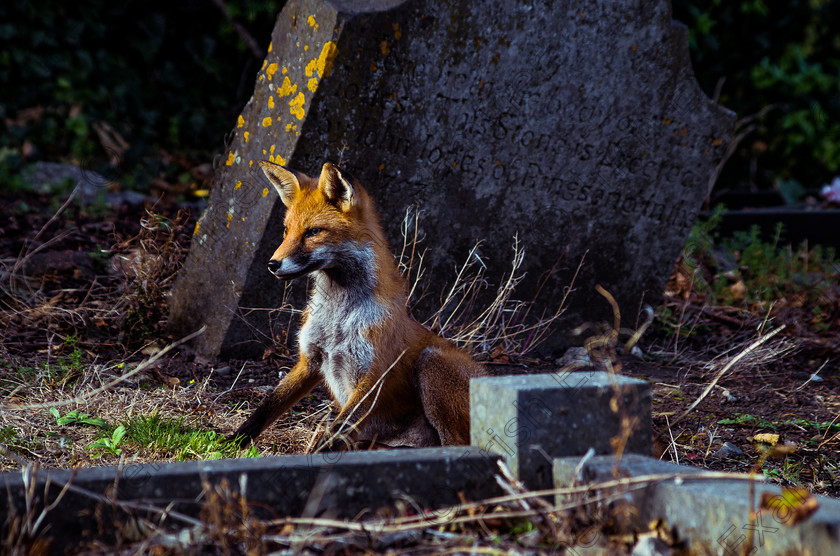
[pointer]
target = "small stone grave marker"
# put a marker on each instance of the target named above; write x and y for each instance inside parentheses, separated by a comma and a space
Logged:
(531, 419)
(576, 125)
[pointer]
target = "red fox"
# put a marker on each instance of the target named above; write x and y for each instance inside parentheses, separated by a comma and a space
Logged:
(396, 382)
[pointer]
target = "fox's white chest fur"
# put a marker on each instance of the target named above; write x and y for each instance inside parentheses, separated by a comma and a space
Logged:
(335, 335)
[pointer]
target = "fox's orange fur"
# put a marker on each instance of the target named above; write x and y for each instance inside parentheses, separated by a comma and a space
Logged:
(356, 327)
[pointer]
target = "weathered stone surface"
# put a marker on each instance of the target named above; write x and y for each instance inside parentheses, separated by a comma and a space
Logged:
(532, 419)
(713, 515)
(577, 125)
(337, 485)
(363, 6)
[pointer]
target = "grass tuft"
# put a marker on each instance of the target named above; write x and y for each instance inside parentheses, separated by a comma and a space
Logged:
(172, 438)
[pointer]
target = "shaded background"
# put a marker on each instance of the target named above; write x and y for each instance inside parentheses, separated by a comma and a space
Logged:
(144, 91)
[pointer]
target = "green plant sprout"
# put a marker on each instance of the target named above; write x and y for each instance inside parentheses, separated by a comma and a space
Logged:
(76, 417)
(110, 443)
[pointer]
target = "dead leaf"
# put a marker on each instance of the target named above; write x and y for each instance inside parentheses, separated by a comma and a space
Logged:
(770, 438)
(25, 116)
(151, 349)
(168, 381)
(793, 506)
(111, 140)
(738, 290)
(498, 355)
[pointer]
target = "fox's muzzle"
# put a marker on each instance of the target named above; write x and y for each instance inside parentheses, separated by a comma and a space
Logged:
(290, 268)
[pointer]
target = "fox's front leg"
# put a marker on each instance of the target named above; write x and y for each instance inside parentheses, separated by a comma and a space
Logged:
(303, 377)
(344, 429)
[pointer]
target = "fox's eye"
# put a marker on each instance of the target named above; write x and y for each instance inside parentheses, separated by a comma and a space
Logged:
(312, 232)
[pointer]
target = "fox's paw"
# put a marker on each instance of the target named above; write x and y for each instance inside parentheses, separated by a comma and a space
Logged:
(240, 439)
(330, 442)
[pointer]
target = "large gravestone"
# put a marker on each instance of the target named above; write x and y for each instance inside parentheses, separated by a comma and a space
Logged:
(576, 125)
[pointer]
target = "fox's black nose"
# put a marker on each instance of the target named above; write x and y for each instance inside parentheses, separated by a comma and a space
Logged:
(273, 266)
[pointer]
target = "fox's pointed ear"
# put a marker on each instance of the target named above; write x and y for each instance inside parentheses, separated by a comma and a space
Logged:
(286, 182)
(336, 187)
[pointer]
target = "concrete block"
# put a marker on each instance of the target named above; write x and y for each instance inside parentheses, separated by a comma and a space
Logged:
(340, 485)
(712, 515)
(533, 419)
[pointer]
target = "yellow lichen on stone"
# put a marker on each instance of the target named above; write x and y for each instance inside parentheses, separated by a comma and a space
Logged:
(270, 45)
(238, 185)
(271, 102)
(325, 59)
(287, 88)
(397, 33)
(246, 135)
(240, 121)
(197, 226)
(285, 69)
(312, 85)
(271, 70)
(384, 48)
(322, 64)
(280, 160)
(310, 67)
(266, 122)
(271, 150)
(312, 23)
(306, 48)
(296, 106)
(265, 191)
(265, 63)
(230, 159)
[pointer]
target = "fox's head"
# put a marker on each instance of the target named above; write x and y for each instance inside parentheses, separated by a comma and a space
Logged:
(329, 225)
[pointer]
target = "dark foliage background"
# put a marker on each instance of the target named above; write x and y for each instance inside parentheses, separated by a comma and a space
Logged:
(162, 75)
(778, 60)
(76, 78)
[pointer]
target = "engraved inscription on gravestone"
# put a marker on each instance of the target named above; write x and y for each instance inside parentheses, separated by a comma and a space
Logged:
(576, 125)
